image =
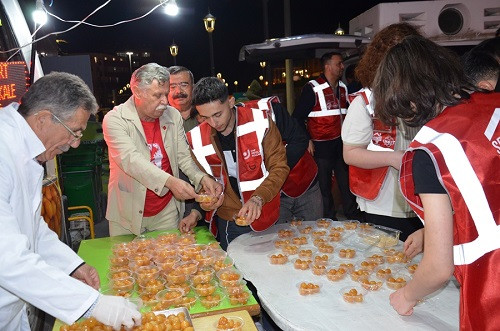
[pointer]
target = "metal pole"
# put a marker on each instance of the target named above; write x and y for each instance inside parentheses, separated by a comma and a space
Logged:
(290, 95)
(33, 58)
(130, 62)
(212, 65)
(175, 60)
(267, 69)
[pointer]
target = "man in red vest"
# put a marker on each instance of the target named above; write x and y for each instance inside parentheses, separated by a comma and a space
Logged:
(449, 175)
(248, 145)
(300, 195)
(323, 105)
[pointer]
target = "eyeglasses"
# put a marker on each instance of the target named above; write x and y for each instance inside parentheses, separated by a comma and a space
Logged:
(182, 85)
(76, 136)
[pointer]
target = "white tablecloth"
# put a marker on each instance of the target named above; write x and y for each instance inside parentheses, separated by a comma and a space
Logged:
(278, 292)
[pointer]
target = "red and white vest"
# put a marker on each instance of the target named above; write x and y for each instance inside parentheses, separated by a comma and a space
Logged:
(304, 172)
(325, 119)
(366, 183)
(251, 127)
(464, 144)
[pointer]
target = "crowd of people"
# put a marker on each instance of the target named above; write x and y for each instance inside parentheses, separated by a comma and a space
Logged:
(416, 149)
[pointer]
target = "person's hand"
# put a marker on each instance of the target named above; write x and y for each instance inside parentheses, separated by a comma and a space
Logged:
(181, 190)
(251, 210)
(310, 148)
(400, 303)
(116, 311)
(187, 224)
(414, 244)
(211, 186)
(396, 158)
(88, 275)
(214, 204)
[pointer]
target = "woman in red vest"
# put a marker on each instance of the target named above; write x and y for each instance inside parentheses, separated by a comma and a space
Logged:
(374, 150)
(449, 175)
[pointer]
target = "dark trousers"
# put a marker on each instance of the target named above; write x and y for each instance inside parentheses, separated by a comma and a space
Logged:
(334, 160)
(228, 231)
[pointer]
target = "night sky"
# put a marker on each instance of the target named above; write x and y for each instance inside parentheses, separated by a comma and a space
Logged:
(238, 23)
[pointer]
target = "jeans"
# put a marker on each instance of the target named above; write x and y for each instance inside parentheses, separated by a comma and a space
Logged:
(228, 231)
(309, 206)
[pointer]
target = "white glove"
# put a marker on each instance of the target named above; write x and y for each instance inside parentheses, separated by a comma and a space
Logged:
(116, 311)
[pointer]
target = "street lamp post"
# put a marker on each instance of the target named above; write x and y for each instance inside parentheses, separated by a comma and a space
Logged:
(174, 50)
(130, 60)
(209, 22)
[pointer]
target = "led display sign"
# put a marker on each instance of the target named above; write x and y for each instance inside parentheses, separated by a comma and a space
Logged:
(14, 81)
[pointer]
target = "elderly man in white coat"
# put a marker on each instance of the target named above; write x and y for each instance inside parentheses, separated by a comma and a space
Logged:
(36, 267)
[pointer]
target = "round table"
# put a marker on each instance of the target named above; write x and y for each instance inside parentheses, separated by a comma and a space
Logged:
(279, 295)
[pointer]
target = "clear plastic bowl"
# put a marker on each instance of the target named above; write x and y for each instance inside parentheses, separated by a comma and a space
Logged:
(353, 294)
(324, 223)
(212, 301)
(307, 288)
(300, 240)
(321, 259)
(187, 268)
(240, 221)
(318, 269)
(236, 288)
(307, 252)
(226, 263)
(347, 253)
(122, 285)
(336, 273)
(203, 276)
(385, 271)
(119, 273)
(296, 221)
(371, 284)
(239, 298)
(287, 233)
(302, 263)
(228, 277)
(169, 298)
(152, 287)
(206, 289)
(146, 273)
(229, 323)
(397, 281)
(167, 238)
(167, 264)
(278, 258)
(175, 277)
(351, 224)
(326, 248)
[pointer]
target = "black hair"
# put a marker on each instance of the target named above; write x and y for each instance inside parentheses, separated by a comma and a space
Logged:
(327, 56)
(209, 89)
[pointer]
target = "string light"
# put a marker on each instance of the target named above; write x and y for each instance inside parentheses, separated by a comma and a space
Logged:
(77, 23)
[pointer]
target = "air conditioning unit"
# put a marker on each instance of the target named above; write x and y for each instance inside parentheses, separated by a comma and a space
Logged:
(444, 21)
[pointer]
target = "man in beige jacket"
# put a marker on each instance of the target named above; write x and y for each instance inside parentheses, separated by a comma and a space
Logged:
(147, 147)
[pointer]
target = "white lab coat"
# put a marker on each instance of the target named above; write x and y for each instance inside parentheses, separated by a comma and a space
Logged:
(34, 264)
